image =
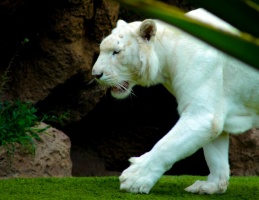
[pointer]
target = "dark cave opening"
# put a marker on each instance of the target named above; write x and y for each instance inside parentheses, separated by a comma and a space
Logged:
(115, 130)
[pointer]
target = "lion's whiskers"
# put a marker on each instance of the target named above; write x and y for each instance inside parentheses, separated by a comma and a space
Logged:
(121, 86)
(132, 93)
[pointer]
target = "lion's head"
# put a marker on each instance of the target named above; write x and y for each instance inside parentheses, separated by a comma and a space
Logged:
(127, 58)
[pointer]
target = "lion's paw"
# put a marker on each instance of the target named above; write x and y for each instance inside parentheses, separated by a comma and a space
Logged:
(206, 187)
(139, 177)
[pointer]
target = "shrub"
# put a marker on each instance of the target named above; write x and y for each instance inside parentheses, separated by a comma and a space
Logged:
(18, 125)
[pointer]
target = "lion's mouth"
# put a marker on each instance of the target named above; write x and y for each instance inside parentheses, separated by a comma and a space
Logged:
(123, 87)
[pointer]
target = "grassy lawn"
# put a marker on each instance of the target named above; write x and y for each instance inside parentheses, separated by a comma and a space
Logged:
(169, 187)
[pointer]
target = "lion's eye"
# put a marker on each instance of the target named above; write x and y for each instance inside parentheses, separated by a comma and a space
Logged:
(115, 52)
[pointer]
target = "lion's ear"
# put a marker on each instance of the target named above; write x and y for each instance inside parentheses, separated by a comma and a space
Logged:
(147, 29)
(121, 23)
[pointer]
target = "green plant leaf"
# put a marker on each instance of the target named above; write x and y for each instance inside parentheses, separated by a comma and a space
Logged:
(244, 47)
(240, 13)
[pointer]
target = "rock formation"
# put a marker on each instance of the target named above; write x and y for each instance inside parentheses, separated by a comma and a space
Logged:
(244, 154)
(54, 67)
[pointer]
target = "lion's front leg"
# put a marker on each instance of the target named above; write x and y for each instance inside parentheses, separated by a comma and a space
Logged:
(142, 174)
(184, 139)
(216, 155)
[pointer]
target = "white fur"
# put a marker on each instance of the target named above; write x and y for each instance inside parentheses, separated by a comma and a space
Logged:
(216, 95)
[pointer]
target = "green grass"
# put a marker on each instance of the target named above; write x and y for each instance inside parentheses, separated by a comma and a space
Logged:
(168, 187)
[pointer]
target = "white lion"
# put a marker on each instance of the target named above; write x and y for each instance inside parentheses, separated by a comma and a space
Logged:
(216, 95)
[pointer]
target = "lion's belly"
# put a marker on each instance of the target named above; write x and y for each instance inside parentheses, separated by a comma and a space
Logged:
(241, 120)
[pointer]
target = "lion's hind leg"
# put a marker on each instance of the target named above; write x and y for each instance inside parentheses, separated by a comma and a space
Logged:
(216, 155)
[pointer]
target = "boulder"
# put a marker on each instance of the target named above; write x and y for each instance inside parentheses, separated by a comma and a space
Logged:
(51, 159)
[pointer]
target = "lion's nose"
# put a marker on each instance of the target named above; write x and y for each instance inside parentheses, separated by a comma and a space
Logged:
(97, 75)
